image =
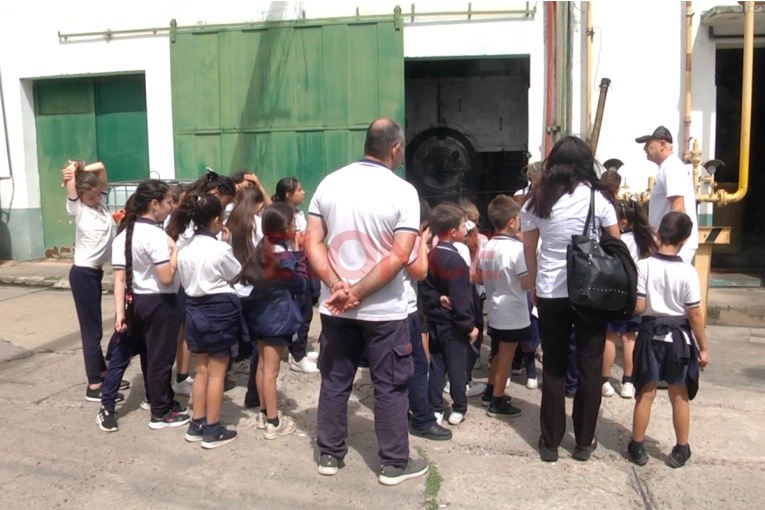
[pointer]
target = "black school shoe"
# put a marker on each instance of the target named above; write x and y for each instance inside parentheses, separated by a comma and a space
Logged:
(486, 399)
(434, 433)
(637, 453)
(504, 410)
(545, 453)
(679, 457)
(583, 454)
(95, 395)
(107, 420)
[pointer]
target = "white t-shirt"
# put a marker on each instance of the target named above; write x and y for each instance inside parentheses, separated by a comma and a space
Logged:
(363, 206)
(206, 266)
(568, 216)
(523, 191)
(629, 240)
(227, 212)
(669, 286)
(300, 222)
(503, 265)
(674, 179)
(93, 237)
(257, 231)
(150, 249)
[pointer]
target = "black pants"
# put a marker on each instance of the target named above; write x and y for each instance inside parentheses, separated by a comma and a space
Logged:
(86, 290)
(391, 367)
(156, 322)
(123, 347)
(449, 350)
(299, 346)
(556, 320)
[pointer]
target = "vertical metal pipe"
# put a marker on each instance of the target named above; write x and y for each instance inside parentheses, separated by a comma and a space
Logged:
(746, 105)
(604, 84)
(550, 64)
(590, 34)
(688, 65)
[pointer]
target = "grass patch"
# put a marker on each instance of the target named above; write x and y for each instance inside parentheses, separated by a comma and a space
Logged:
(432, 484)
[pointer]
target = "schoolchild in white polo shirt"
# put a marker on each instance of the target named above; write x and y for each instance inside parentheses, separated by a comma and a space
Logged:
(145, 287)
(86, 204)
(503, 273)
(668, 299)
(213, 313)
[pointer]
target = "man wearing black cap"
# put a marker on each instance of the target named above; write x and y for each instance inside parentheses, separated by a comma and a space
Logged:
(673, 190)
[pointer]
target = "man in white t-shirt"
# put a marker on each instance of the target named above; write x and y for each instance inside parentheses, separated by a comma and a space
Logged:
(370, 218)
(673, 190)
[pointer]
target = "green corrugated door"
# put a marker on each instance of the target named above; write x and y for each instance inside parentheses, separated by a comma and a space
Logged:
(93, 119)
(283, 101)
(66, 129)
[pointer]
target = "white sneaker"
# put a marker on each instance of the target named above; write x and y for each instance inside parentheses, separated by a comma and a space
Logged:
(628, 390)
(607, 390)
(183, 387)
(448, 387)
(305, 366)
(532, 384)
(456, 418)
(475, 389)
(439, 418)
(285, 428)
(259, 420)
(313, 356)
(145, 405)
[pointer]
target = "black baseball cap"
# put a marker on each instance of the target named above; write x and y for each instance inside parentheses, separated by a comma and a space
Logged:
(661, 133)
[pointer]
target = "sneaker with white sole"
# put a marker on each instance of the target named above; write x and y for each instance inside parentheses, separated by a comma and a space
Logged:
(195, 431)
(169, 420)
(532, 384)
(313, 356)
(107, 420)
(285, 428)
(218, 438)
(145, 405)
(628, 390)
(455, 418)
(475, 389)
(439, 417)
(183, 387)
(393, 475)
(305, 366)
(94, 395)
(329, 465)
(607, 390)
(259, 420)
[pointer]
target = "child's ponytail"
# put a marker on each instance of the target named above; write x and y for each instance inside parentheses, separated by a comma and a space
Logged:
(637, 220)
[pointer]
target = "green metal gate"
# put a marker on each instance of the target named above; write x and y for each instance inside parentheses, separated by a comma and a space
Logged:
(283, 100)
(100, 119)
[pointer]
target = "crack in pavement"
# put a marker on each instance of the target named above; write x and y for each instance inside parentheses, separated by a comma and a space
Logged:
(40, 401)
(638, 486)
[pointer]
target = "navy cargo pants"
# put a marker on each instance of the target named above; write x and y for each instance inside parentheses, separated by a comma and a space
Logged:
(343, 341)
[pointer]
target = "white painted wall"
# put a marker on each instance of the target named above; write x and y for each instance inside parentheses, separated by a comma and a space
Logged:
(643, 53)
(33, 50)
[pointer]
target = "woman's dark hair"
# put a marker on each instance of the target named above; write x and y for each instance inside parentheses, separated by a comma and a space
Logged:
(569, 164)
(238, 176)
(284, 186)
(612, 181)
(637, 220)
(212, 181)
(128, 205)
(241, 223)
(261, 267)
(178, 191)
(86, 181)
(148, 191)
(201, 209)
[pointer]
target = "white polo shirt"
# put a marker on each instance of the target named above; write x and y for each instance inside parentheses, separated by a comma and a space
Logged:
(363, 206)
(150, 249)
(629, 239)
(503, 265)
(568, 216)
(206, 266)
(669, 287)
(93, 234)
(674, 179)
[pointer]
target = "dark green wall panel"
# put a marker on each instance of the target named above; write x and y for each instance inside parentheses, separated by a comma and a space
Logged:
(283, 101)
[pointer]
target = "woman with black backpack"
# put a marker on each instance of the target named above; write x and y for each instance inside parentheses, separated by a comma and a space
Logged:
(557, 209)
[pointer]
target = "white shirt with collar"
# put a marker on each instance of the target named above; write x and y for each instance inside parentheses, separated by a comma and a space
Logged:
(567, 219)
(675, 179)
(363, 206)
(150, 249)
(206, 266)
(502, 266)
(93, 235)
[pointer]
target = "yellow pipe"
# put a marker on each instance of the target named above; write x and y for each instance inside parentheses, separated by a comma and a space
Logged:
(746, 105)
(590, 35)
